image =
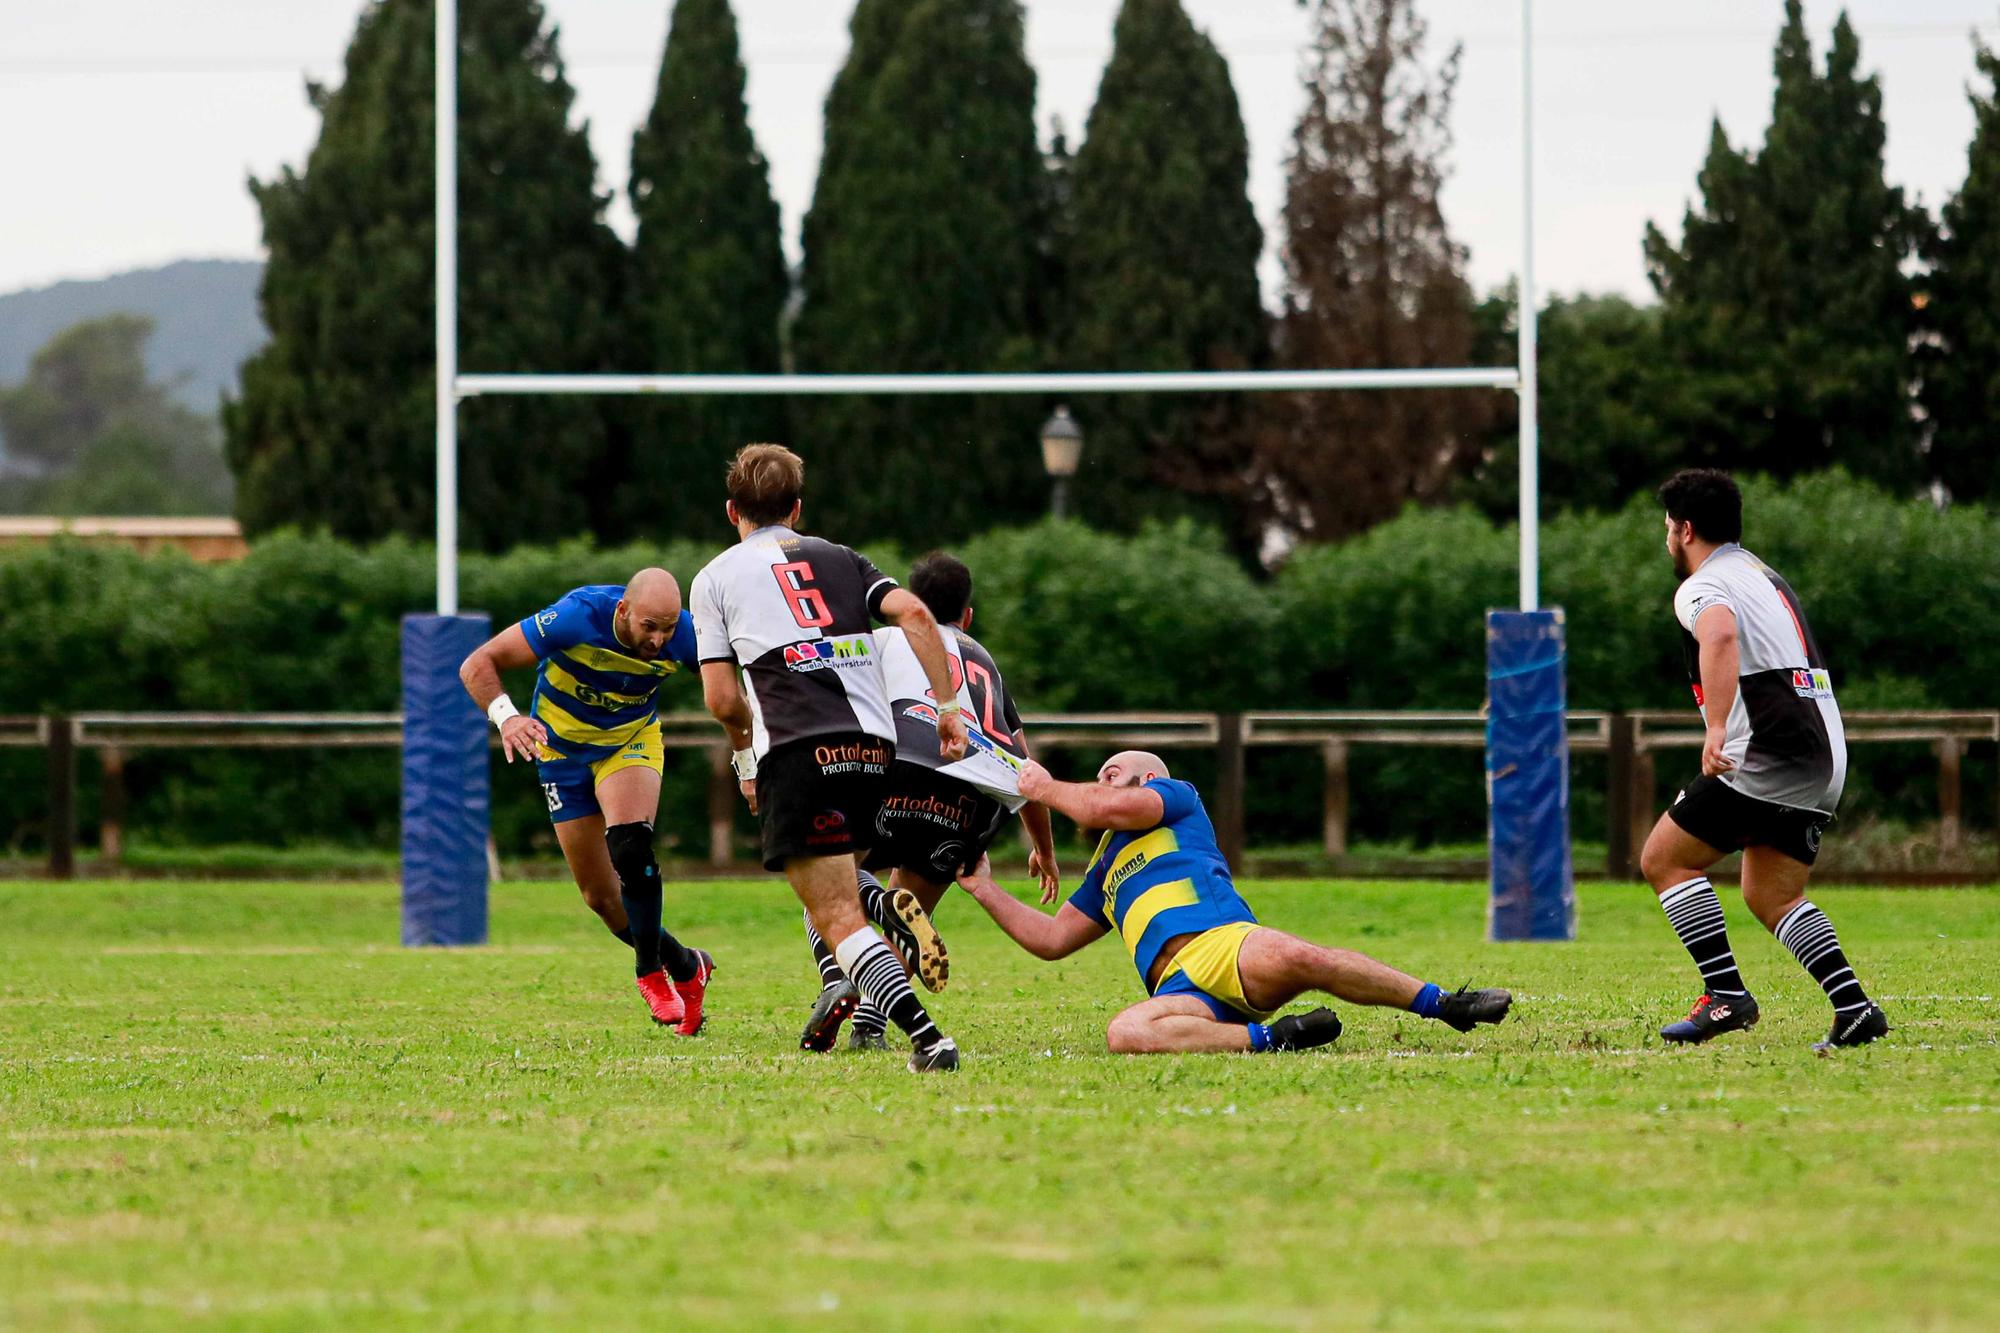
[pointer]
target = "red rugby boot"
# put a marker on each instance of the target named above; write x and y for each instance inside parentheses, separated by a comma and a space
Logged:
(662, 999)
(693, 990)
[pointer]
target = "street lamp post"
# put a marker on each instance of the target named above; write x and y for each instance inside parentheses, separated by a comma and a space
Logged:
(1062, 450)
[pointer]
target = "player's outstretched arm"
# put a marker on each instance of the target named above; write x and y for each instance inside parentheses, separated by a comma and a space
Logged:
(1092, 804)
(1046, 937)
(480, 674)
(1041, 837)
(907, 612)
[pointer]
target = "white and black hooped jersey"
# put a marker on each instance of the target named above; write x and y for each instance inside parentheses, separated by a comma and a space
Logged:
(993, 751)
(795, 613)
(1784, 732)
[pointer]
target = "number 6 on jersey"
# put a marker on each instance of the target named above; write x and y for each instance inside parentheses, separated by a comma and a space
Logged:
(808, 605)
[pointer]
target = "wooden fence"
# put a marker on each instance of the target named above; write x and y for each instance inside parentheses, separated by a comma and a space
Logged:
(1630, 740)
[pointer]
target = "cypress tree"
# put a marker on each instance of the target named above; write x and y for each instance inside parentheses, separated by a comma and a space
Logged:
(1962, 378)
(708, 284)
(1785, 304)
(1373, 279)
(334, 428)
(922, 254)
(1162, 270)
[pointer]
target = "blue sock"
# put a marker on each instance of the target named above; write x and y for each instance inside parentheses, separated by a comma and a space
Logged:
(1260, 1037)
(1426, 1003)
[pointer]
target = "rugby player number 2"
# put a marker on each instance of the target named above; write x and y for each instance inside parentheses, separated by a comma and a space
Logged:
(981, 682)
(808, 604)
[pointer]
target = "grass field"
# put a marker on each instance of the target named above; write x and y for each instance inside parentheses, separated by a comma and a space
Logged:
(243, 1105)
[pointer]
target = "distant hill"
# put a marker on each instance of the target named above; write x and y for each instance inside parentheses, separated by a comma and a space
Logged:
(204, 313)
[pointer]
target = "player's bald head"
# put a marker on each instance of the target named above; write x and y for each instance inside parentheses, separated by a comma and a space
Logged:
(649, 612)
(1132, 768)
(653, 592)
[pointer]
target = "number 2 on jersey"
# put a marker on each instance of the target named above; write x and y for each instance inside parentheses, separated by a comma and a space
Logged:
(980, 681)
(808, 603)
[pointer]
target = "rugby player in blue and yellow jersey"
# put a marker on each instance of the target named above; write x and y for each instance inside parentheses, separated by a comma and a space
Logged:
(1214, 977)
(594, 731)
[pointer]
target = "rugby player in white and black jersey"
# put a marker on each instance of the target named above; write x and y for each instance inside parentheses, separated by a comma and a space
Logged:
(1773, 762)
(940, 815)
(790, 668)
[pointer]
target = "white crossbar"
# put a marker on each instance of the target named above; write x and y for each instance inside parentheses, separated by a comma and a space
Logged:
(1235, 381)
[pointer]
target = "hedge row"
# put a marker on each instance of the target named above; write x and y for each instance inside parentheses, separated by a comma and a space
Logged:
(1900, 596)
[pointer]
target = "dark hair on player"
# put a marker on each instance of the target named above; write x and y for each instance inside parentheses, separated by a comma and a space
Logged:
(765, 481)
(1708, 499)
(944, 584)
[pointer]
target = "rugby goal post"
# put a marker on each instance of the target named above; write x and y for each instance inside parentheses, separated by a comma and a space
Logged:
(1532, 894)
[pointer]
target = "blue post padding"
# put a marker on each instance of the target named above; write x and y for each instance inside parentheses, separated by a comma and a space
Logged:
(445, 785)
(1527, 778)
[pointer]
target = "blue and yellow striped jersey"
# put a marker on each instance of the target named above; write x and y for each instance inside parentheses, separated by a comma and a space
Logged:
(1150, 885)
(591, 692)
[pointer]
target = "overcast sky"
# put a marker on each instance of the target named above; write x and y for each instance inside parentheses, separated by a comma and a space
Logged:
(131, 125)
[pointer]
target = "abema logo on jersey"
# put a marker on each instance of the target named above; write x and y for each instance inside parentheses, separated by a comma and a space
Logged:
(823, 653)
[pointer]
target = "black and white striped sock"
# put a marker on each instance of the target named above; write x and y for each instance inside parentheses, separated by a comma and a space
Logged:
(1809, 935)
(868, 1017)
(875, 969)
(875, 906)
(1696, 916)
(829, 970)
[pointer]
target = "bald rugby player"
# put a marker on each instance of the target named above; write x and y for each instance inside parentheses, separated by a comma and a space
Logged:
(593, 730)
(1214, 978)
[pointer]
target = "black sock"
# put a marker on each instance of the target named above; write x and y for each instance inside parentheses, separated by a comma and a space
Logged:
(830, 974)
(678, 958)
(1809, 935)
(631, 847)
(1696, 916)
(876, 970)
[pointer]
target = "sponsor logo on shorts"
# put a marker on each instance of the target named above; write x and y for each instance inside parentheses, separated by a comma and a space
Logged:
(1813, 832)
(827, 820)
(953, 813)
(870, 757)
(949, 856)
(819, 654)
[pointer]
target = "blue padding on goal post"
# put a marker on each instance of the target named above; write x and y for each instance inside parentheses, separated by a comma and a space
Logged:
(1527, 778)
(445, 785)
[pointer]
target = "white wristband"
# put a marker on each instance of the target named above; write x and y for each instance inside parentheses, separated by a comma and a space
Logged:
(948, 707)
(501, 709)
(745, 764)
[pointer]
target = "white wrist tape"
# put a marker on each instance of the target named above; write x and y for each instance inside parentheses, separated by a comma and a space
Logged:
(500, 710)
(745, 764)
(948, 706)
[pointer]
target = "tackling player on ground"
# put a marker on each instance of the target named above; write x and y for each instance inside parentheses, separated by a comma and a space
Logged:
(790, 669)
(1773, 762)
(939, 815)
(1214, 977)
(593, 730)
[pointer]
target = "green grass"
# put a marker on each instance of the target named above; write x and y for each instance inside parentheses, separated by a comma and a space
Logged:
(243, 1105)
